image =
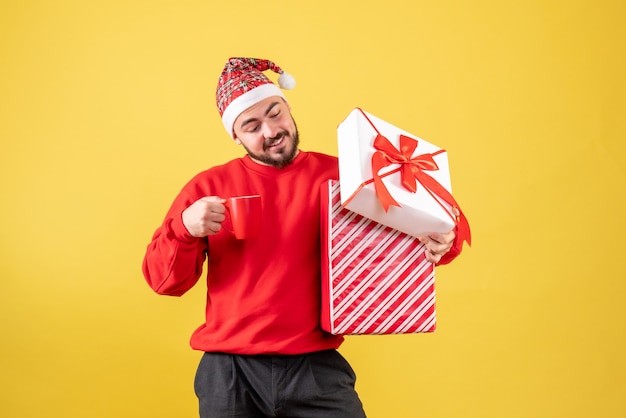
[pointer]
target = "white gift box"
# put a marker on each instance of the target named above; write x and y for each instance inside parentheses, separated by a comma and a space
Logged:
(418, 212)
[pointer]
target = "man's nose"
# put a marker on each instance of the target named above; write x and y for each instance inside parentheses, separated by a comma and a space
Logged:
(270, 129)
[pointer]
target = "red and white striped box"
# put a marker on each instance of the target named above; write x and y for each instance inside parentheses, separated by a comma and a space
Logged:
(375, 279)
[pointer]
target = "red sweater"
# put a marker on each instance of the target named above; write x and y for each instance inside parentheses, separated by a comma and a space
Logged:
(263, 293)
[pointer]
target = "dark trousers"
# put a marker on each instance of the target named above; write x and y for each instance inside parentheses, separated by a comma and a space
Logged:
(319, 384)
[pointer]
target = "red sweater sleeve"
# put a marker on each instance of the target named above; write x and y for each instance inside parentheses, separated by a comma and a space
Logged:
(173, 261)
(449, 256)
(455, 251)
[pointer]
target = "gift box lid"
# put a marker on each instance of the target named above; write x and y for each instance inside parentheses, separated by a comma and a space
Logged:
(365, 140)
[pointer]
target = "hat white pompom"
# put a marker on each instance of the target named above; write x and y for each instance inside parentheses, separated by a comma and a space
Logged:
(286, 81)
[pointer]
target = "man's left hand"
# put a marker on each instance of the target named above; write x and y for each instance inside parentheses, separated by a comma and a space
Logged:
(437, 245)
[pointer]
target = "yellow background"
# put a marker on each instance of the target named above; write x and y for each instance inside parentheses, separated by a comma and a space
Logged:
(107, 109)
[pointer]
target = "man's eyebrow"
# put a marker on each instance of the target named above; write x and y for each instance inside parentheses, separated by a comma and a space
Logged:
(267, 111)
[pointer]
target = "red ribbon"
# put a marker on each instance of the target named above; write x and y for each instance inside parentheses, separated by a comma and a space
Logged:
(411, 172)
(410, 167)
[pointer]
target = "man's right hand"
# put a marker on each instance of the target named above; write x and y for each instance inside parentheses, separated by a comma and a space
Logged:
(205, 216)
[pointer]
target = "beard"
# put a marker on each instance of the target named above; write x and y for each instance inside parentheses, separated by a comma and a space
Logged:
(285, 156)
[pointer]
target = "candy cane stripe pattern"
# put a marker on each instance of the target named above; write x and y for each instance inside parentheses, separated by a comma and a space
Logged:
(379, 281)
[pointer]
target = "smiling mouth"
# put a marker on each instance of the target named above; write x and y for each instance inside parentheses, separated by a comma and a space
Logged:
(275, 142)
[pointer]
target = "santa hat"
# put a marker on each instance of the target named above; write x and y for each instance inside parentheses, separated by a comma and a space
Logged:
(242, 84)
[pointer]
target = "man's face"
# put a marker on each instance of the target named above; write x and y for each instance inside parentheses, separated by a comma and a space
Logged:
(268, 132)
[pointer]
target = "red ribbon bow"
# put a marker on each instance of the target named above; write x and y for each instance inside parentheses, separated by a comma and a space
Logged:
(410, 167)
(412, 171)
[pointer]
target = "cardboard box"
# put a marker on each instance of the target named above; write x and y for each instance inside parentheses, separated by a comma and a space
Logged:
(375, 280)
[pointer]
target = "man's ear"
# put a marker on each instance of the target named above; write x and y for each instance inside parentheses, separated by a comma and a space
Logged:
(237, 141)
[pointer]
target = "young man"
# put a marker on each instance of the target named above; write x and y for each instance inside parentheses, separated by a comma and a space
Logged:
(264, 351)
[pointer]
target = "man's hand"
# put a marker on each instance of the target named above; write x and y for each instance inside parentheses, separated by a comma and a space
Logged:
(205, 216)
(437, 245)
